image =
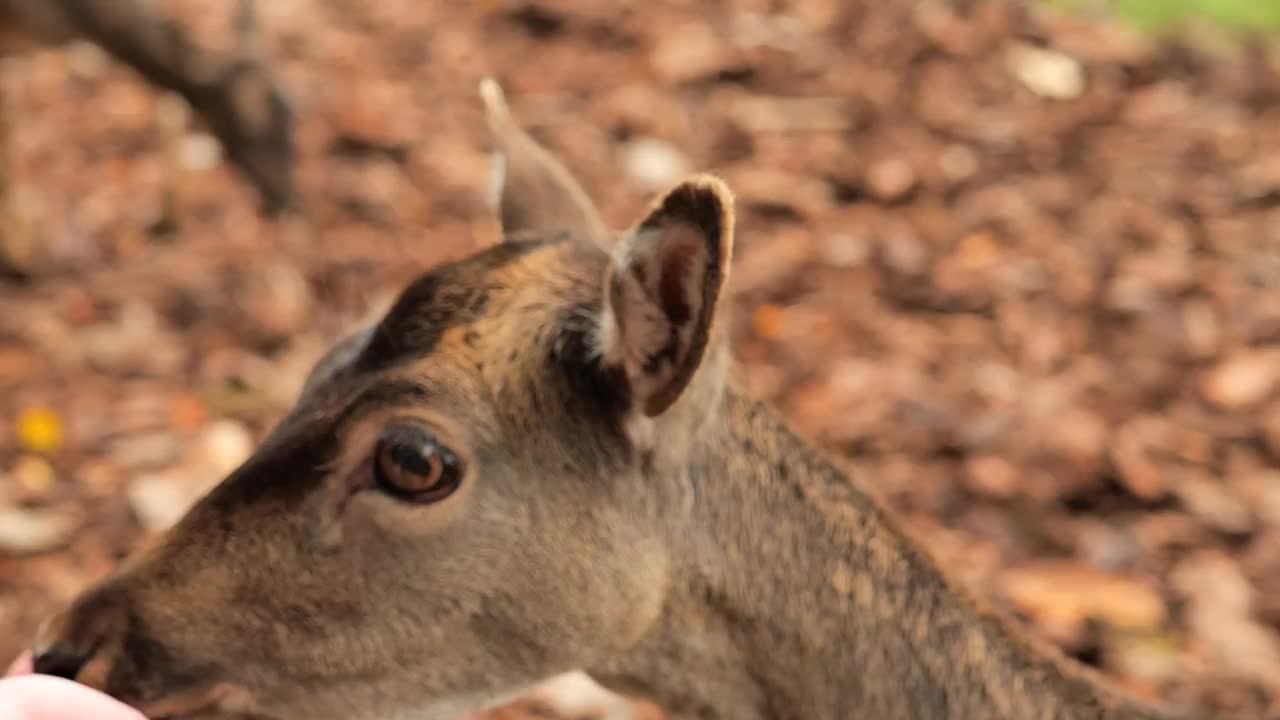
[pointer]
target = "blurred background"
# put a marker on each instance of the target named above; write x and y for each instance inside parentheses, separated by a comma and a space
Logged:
(1018, 263)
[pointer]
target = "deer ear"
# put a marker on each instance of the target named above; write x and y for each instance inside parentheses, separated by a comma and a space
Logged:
(532, 191)
(662, 288)
(248, 37)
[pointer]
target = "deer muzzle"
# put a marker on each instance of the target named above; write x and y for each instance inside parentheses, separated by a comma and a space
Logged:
(100, 642)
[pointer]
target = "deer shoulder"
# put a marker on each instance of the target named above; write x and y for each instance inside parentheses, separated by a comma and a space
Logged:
(538, 461)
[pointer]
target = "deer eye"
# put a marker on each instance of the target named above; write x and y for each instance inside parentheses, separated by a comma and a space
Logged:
(411, 465)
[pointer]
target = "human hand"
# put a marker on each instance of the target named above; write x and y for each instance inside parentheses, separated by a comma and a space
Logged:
(25, 696)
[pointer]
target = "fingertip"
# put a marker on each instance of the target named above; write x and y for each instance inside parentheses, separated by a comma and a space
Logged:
(44, 697)
(20, 666)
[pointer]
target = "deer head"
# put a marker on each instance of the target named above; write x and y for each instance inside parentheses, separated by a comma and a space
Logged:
(468, 498)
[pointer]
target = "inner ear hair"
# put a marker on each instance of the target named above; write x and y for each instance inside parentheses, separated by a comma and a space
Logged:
(663, 287)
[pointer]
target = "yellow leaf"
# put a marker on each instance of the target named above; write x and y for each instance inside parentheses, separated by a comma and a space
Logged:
(39, 430)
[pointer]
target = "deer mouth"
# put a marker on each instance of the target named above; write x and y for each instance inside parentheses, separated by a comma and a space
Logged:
(204, 701)
(211, 715)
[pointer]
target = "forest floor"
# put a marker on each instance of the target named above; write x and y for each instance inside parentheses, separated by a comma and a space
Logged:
(1022, 273)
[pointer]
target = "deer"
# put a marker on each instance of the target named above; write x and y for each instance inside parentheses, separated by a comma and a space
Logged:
(234, 92)
(540, 461)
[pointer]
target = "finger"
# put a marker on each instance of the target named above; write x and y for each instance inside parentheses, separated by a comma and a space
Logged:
(44, 697)
(20, 666)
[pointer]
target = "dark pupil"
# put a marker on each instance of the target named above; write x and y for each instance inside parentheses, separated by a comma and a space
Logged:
(412, 457)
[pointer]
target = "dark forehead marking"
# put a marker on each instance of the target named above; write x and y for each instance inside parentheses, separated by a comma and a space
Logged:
(382, 395)
(291, 460)
(283, 468)
(450, 295)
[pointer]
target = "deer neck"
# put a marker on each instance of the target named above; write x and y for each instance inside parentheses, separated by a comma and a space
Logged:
(797, 597)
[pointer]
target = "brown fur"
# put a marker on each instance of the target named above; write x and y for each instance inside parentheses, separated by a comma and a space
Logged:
(626, 509)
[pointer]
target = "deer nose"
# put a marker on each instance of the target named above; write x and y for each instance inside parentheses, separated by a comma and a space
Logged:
(61, 660)
(79, 644)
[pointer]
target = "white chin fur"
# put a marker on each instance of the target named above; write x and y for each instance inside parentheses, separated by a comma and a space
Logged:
(572, 695)
(576, 696)
(497, 179)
